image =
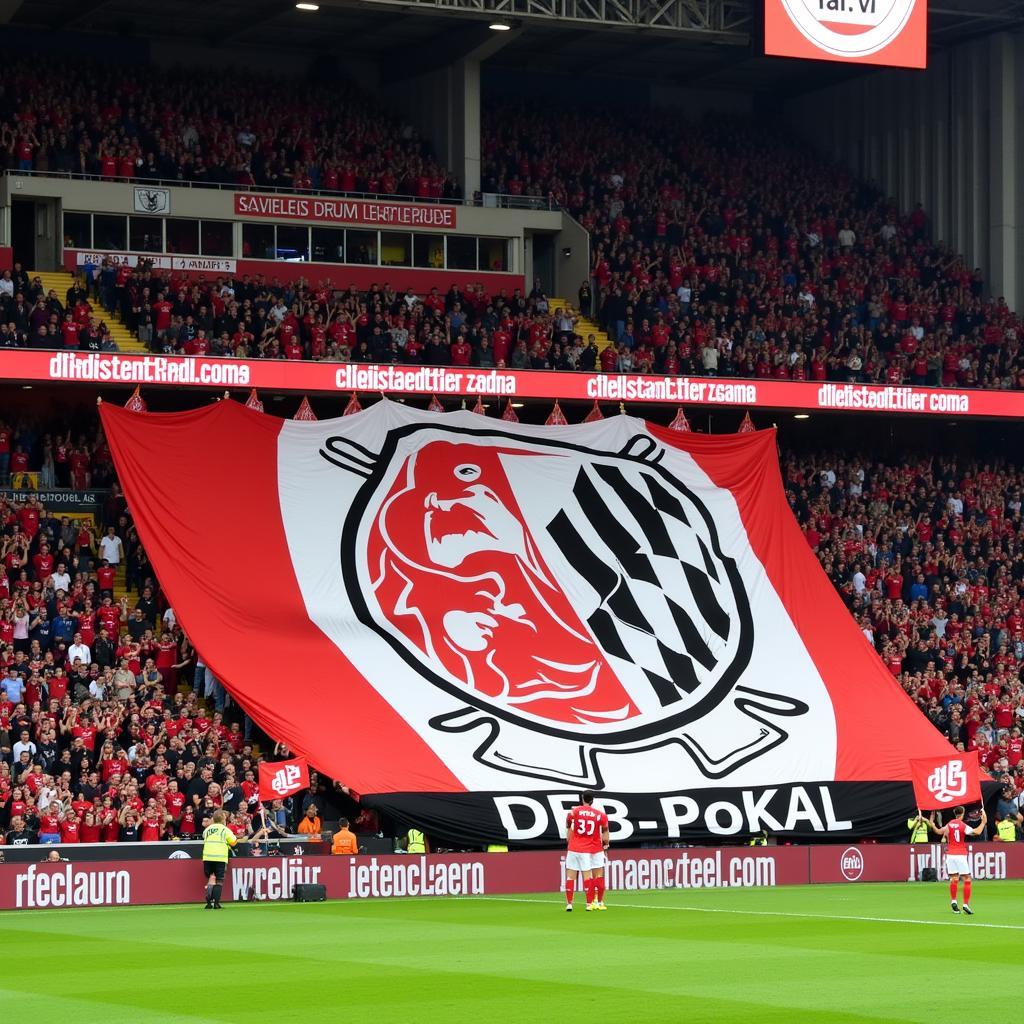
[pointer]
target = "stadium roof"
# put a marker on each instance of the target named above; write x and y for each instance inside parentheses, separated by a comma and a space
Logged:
(706, 43)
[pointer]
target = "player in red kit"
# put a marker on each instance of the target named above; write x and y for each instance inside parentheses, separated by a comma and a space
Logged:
(957, 861)
(587, 828)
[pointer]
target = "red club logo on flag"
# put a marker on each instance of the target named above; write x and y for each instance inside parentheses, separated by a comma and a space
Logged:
(946, 781)
(283, 778)
(599, 612)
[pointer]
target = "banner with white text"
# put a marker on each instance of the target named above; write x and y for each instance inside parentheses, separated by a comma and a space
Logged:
(454, 382)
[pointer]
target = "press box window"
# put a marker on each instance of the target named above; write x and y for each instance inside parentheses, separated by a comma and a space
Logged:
(110, 232)
(361, 247)
(428, 251)
(293, 244)
(258, 241)
(78, 231)
(461, 252)
(183, 236)
(395, 249)
(146, 234)
(216, 238)
(493, 254)
(328, 245)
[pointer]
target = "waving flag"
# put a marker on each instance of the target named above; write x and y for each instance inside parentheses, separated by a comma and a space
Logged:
(946, 781)
(480, 618)
(280, 779)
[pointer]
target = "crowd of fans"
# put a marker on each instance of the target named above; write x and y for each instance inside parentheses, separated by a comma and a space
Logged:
(99, 741)
(228, 127)
(723, 248)
(256, 318)
(928, 554)
(718, 248)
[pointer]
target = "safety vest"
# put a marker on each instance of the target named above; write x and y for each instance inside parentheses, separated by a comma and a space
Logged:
(918, 831)
(417, 842)
(1007, 831)
(497, 848)
(216, 841)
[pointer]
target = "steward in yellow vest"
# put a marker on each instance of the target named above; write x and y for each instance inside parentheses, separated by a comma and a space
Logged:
(218, 841)
(1006, 830)
(918, 829)
(415, 842)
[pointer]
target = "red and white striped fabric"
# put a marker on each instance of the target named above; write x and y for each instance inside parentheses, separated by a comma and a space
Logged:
(460, 619)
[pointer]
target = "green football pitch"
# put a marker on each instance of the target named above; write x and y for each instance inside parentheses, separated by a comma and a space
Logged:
(818, 953)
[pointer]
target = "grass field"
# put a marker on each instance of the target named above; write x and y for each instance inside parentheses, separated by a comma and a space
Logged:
(817, 953)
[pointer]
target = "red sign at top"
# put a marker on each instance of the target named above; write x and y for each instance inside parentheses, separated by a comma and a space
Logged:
(345, 211)
(889, 32)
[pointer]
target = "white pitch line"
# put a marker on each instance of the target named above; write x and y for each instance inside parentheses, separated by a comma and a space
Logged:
(766, 913)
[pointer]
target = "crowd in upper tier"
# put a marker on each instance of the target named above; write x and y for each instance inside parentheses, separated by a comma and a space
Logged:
(720, 247)
(728, 246)
(119, 121)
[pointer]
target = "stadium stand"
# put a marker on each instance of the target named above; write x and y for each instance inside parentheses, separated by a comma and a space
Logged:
(144, 124)
(718, 249)
(721, 248)
(112, 728)
(724, 248)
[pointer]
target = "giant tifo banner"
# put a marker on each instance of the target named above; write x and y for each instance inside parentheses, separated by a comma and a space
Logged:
(890, 32)
(136, 883)
(482, 618)
(467, 382)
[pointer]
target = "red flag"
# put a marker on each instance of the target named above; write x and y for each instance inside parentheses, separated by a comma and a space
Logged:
(557, 417)
(304, 411)
(510, 415)
(435, 405)
(280, 779)
(479, 407)
(948, 781)
(746, 424)
(351, 409)
(136, 403)
(594, 415)
(253, 401)
(680, 423)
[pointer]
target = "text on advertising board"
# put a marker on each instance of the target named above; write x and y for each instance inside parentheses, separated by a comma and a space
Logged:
(346, 211)
(327, 377)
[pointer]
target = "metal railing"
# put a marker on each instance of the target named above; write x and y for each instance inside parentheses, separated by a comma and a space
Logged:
(491, 200)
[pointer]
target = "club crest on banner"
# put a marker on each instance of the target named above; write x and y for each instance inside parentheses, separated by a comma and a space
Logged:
(598, 615)
(948, 782)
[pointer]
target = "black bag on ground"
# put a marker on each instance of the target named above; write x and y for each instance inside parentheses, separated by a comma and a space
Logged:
(309, 893)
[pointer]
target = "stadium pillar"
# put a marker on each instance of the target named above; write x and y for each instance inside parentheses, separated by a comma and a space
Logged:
(465, 123)
(1003, 171)
(441, 97)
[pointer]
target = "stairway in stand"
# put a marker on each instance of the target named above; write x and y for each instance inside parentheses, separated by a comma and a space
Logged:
(60, 281)
(584, 325)
(121, 588)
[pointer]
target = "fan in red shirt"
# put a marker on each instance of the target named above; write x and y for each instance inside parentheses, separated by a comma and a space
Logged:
(957, 861)
(89, 830)
(587, 828)
(69, 828)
